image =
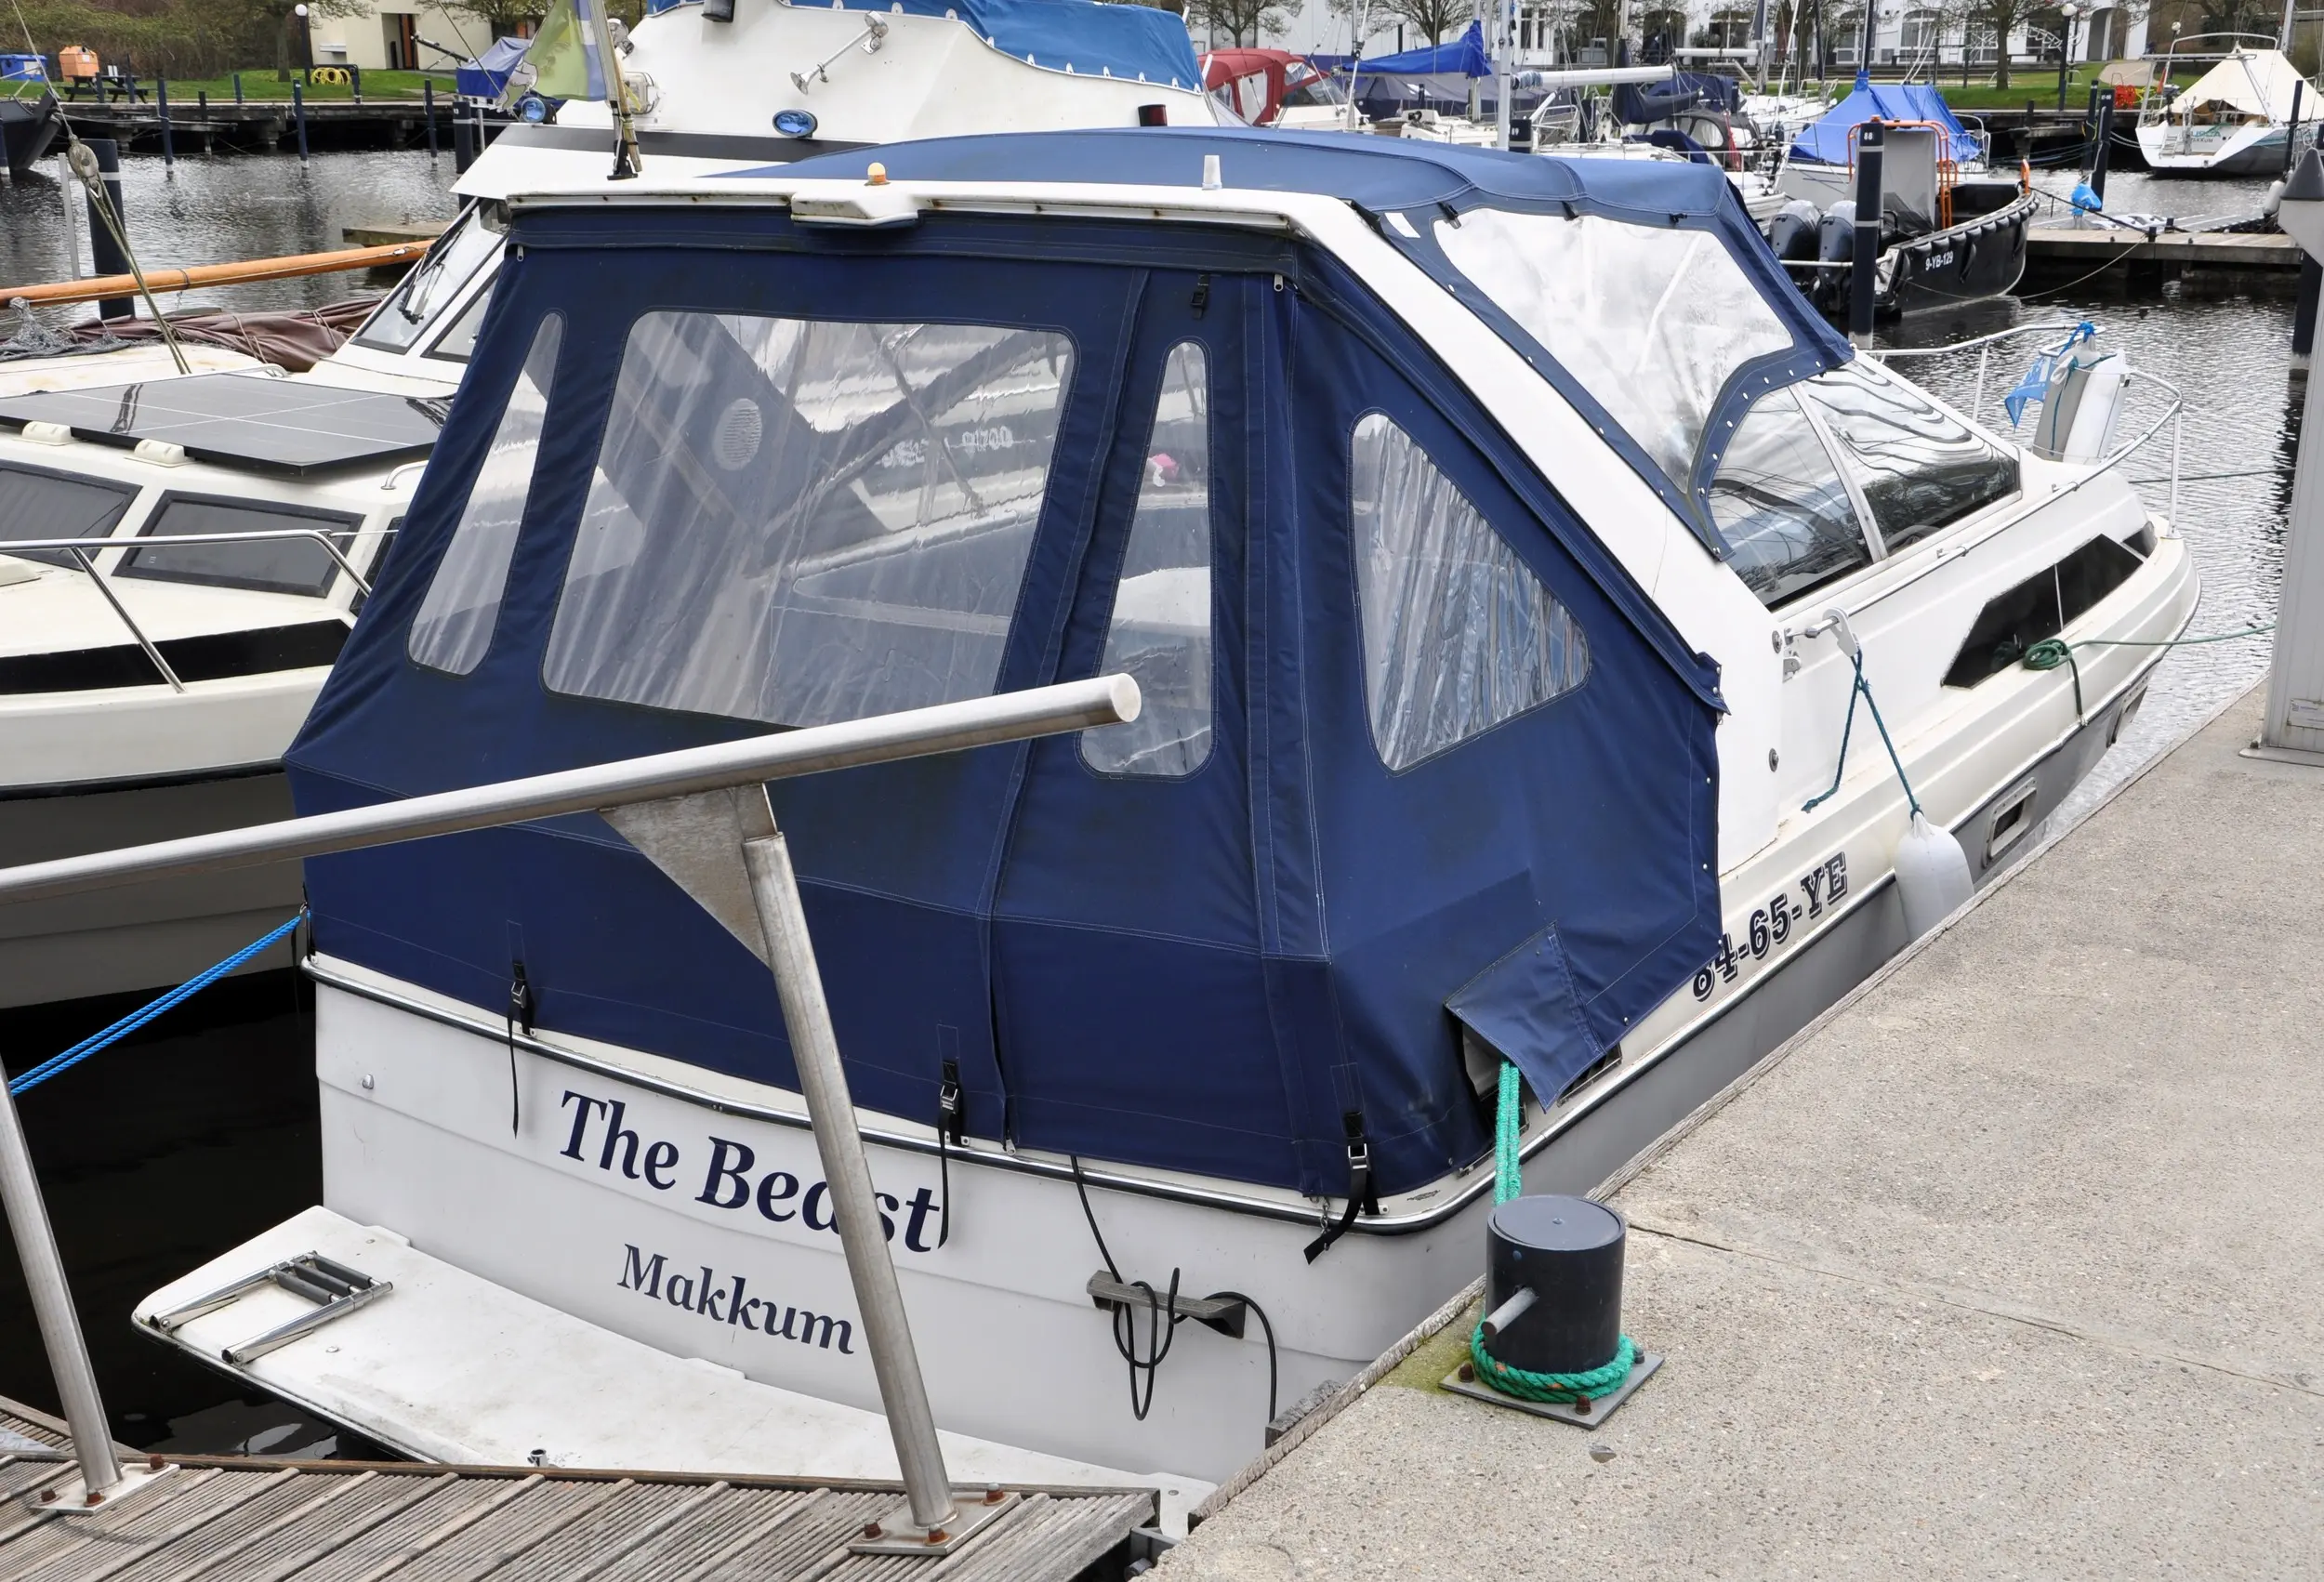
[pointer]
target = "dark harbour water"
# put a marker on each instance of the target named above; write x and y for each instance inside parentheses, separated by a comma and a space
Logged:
(163, 1152)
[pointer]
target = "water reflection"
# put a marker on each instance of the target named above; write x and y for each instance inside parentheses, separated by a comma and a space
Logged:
(2228, 351)
(217, 210)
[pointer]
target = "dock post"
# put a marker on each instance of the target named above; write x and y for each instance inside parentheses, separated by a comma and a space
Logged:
(427, 114)
(52, 1305)
(831, 1113)
(169, 146)
(355, 78)
(237, 87)
(463, 141)
(2102, 138)
(2292, 133)
(2294, 726)
(299, 113)
(106, 255)
(1864, 270)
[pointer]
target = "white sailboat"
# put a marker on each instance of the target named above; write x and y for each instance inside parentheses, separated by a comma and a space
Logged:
(2239, 118)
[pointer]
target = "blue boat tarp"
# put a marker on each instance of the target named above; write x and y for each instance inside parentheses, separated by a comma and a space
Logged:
(1464, 57)
(1222, 966)
(487, 76)
(26, 68)
(1826, 139)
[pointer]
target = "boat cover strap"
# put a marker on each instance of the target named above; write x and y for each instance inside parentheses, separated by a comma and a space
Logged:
(1363, 1195)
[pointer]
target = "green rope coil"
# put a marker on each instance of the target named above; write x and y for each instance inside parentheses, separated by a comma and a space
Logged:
(1558, 1387)
(2051, 653)
(1508, 1182)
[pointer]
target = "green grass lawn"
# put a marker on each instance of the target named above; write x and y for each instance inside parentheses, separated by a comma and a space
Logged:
(260, 82)
(2034, 83)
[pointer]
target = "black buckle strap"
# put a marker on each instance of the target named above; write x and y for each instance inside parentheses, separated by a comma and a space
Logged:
(952, 1124)
(520, 1015)
(1363, 1197)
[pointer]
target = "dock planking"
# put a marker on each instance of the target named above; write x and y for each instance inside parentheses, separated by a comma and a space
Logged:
(252, 1519)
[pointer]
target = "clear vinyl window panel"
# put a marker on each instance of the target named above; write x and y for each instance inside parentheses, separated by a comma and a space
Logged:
(1651, 321)
(1459, 634)
(803, 523)
(1778, 500)
(1920, 468)
(1160, 631)
(456, 620)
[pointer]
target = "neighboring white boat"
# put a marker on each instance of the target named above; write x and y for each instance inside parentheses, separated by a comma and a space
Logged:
(151, 692)
(2236, 119)
(1498, 543)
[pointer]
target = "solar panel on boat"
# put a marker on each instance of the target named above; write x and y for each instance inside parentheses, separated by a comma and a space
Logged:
(291, 425)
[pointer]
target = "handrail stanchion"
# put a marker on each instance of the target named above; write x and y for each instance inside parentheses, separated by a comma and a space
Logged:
(2178, 427)
(831, 1113)
(80, 557)
(52, 1306)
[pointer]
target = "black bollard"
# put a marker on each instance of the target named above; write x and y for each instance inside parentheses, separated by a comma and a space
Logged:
(1863, 279)
(169, 146)
(463, 142)
(299, 113)
(1553, 1283)
(106, 255)
(427, 114)
(2105, 120)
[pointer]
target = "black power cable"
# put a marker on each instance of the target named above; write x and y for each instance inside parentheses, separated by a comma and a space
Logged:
(1162, 1318)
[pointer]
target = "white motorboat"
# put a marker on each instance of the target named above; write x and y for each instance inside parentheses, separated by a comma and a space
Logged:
(2240, 118)
(1499, 543)
(148, 692)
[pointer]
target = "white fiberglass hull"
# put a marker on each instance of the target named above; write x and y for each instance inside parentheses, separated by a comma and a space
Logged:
(683, 1209)
(2233, 150)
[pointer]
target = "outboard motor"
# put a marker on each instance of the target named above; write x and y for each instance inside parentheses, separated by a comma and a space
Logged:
(1836, 234)
(1793, 233)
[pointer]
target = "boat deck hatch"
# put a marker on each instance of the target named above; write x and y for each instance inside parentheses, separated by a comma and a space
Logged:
(286, 426)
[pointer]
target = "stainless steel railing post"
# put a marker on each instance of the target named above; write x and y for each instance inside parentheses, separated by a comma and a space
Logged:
(52, 1305)
(822, 1082)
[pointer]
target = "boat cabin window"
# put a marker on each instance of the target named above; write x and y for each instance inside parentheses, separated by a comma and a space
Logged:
(2041, 606)
(805, 522)
(432, 286)
(459, 343)
(1920, 468)
(1778, 500)
(454, 624)
(1651, 321)
(48, 504)
(263, 565)
(1459, 634)
(1161, 629)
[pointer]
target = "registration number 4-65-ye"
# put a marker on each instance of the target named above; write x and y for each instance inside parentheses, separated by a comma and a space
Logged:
(1777, 925)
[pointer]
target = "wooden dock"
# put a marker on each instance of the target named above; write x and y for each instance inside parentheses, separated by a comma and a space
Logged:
(257, 126)
(2172, 252)
(252, 1519)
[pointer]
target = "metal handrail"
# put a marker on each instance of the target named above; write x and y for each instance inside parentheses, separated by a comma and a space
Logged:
(79, 549)
(682, 786)
(1985, 356)
(1069, 706)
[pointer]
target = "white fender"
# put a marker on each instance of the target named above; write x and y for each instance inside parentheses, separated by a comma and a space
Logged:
(1931, 875)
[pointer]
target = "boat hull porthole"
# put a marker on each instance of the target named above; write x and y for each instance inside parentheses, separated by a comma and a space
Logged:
(2012, 819)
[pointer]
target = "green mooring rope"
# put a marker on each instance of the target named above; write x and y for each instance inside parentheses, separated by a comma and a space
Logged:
(1508, 1181)
(2051, 653)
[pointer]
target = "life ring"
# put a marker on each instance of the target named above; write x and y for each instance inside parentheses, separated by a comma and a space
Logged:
(336, 76)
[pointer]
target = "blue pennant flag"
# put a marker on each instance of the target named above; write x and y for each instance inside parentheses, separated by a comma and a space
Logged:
(2035, 386)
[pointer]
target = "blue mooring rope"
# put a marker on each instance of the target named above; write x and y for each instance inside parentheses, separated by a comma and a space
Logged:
(138, 1019)
(1864, 688)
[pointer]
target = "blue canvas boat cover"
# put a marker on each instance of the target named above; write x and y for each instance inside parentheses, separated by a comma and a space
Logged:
(1421, 764)
(1464, 57)
(487, 76)
(1826, 139)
